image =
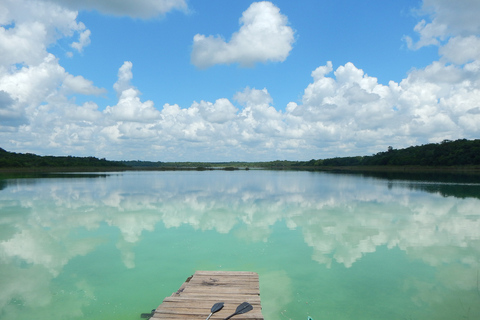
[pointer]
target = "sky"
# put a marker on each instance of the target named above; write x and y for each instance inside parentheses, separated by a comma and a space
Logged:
(218, 80)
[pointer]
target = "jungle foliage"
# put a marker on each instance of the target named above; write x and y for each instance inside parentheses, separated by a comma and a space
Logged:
(447, 153)
(444, 154)
(30, 160)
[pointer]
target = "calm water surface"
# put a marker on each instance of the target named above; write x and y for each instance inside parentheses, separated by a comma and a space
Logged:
(331, 246)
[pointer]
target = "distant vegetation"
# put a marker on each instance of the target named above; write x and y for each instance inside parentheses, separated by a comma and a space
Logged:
(232, 165)
(445, 154)
(29, 160)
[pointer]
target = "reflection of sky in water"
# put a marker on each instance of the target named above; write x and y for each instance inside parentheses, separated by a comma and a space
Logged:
(332, 246)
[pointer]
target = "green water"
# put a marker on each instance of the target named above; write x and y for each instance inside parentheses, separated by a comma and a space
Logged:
(329, 246)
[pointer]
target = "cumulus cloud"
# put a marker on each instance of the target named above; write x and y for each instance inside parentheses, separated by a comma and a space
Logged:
(9, 115)
(350, 107)
(253, 97)
(129, 106)
(264, 36)
(79, 84)
(27, 71)
(135, 9)
(219, 112)
(83, 41)
(35, 26)
(262, 123)
(343, 111)
(353, 107)
(39, 93)
(445, 19)
(34, 87)
(460, 50)
(125, 75)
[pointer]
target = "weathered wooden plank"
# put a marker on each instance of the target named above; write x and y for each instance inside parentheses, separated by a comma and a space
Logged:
(192, 311)
(218, 315)
(226, 273)
(252, 285)
(200, 305)
(212, 299)
(220, 290)
(223, 282)
(245, 316)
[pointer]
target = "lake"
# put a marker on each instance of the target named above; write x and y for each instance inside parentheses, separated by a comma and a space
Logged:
(325, 245)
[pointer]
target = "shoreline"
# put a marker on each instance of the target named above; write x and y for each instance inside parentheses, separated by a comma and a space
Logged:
(470, 170)
(474, 170)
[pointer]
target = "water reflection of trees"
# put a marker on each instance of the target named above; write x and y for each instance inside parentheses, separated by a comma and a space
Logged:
(447, 184)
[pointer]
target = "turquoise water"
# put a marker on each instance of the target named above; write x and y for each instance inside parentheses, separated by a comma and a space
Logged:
(329, 246)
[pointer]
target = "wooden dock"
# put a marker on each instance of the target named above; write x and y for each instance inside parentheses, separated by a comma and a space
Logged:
(201, 291)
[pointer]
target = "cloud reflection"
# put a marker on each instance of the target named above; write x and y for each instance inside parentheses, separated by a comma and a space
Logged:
(342, 217)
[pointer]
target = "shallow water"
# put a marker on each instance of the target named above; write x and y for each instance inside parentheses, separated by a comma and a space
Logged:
(331, 246)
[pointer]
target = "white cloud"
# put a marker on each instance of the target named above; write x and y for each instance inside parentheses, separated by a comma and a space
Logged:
(86, 113)
(252, 97)
(125, 75)
(343, 111)
(460, 50)
(10, 116)
(36, 25)
(78, 84)
(30, 75)
(351, 103)
(445, 19)
(83, 41)
(459, 18)
(219, 112)
(354, 109)
(129, 106)
(262, 123)
(39, 94)
(36, 86)
(264, 36)
(134, 9)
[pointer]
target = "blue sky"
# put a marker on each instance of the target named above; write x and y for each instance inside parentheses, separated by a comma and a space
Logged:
(368, 33)
(236, 80)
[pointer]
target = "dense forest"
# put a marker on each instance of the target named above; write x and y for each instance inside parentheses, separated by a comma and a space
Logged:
(29, 160)
(445, 154)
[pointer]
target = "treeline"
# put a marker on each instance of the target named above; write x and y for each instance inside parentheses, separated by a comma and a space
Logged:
(447, 153)
(30, 160)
